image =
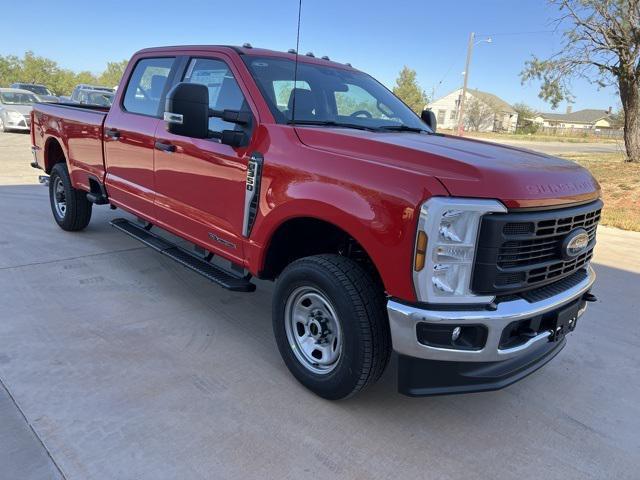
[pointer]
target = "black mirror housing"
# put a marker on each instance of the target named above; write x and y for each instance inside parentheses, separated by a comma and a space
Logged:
(429, 118)
(233, 138)
(187, 110)
(232, 116)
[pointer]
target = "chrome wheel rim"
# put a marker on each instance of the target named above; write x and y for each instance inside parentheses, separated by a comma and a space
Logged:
(313, 330)
(59, 197)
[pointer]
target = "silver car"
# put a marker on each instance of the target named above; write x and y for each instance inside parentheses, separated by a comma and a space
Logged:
(15, 109)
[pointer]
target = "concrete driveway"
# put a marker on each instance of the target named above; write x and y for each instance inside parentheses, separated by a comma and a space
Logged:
(117, 363)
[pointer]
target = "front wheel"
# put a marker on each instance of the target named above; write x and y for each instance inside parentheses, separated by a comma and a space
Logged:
(70, 207)
(330, 324)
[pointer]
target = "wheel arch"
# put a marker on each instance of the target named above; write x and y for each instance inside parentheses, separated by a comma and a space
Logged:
(305, 235)
(53, 153)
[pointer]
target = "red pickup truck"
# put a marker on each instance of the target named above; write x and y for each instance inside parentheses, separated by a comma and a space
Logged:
(469, 259)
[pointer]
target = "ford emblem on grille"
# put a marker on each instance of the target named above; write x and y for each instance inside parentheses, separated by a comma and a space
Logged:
(575, 243)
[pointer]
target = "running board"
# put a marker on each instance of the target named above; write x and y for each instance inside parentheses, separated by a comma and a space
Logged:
(198, 265)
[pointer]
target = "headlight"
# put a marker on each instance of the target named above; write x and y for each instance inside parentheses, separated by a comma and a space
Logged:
(446, 246)
(15, 116)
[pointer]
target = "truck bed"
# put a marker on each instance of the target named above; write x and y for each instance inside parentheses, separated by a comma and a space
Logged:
(78, 129)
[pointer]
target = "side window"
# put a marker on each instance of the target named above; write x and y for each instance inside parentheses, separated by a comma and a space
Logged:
(224, 91)
(146, 85)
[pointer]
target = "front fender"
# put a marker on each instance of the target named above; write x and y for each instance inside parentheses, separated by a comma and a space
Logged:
(383, 225)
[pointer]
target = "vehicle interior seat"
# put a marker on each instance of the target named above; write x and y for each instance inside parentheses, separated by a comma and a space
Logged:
(157, 85)
(305, 104)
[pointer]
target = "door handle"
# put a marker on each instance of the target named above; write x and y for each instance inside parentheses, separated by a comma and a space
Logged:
(165, 147)
(112, 133)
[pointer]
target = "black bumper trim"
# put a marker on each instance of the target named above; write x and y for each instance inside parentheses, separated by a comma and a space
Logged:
(419, 377)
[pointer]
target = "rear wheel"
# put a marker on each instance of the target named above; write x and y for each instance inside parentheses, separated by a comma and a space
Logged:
(70, 207)
(330, 323)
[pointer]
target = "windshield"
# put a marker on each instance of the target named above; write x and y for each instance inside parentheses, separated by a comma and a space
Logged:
(37, 89)
(18, 98)
(326, 95)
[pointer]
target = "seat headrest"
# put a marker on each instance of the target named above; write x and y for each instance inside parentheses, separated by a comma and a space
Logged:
(305, 104)
(157, 84)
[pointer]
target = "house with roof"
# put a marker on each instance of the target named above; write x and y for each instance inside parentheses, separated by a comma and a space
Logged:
(589, 118)
(484, 112)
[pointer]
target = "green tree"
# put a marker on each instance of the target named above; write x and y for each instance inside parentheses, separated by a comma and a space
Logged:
(408, 90)
(113, 73)
(32, 68)
(601, 43)
(526, 115)
(10, 68)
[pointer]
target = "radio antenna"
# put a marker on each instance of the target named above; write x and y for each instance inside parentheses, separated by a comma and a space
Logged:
(295, 68)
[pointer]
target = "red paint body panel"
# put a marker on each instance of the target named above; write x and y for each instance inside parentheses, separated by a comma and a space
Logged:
(369, 184)
(79, 133)
(129, 161)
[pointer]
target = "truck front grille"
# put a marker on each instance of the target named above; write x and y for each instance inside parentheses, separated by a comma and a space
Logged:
(519, 251)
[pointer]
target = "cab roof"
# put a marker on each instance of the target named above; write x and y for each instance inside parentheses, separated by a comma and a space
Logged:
(250, 51)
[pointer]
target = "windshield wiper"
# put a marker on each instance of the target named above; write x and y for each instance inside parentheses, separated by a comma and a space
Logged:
(329, 123)
(402, 128)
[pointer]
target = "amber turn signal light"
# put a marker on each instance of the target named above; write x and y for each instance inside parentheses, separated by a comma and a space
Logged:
(421, 251)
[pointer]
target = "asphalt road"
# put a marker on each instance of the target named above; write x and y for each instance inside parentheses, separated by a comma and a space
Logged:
(117, 363)
(558, 148)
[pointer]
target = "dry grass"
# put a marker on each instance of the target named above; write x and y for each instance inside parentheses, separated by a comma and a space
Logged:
(620, 182)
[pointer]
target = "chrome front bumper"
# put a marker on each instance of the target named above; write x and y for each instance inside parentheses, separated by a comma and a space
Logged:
(403, 320)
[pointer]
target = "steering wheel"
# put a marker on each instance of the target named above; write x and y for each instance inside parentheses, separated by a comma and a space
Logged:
(363, 113)
(144, 93)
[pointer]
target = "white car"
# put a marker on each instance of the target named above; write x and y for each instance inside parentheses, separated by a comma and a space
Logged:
(15, 109)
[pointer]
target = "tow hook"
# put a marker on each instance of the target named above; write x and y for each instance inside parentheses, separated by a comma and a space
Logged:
(589, 297)
(44, 180)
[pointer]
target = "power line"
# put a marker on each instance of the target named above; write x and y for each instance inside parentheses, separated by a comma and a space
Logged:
(448, 71)
(535, 32)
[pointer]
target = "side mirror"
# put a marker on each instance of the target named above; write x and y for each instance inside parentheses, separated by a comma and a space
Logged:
(187, 110)
(429, 118)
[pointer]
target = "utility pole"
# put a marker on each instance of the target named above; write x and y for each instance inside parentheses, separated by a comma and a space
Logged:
(472, 37)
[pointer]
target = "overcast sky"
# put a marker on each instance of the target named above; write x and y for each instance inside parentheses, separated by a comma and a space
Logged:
(376, 36)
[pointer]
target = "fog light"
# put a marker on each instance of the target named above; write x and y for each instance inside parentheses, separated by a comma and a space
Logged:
(467, 337)
(455, 334)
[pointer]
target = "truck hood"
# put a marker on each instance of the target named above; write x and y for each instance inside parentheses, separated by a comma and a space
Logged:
(467, 168)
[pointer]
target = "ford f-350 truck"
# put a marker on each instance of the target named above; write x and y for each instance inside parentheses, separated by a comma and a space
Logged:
(469, 259)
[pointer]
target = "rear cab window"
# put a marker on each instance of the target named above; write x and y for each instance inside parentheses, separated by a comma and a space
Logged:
(147, 85)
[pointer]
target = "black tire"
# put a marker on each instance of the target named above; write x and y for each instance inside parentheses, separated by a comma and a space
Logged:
(359, 302)
(77, 209)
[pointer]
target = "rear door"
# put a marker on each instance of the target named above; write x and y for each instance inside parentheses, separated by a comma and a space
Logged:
(201, 185)
(129, 132)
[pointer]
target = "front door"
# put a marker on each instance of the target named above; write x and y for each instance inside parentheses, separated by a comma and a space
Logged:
(129, 136)
(200, 185)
